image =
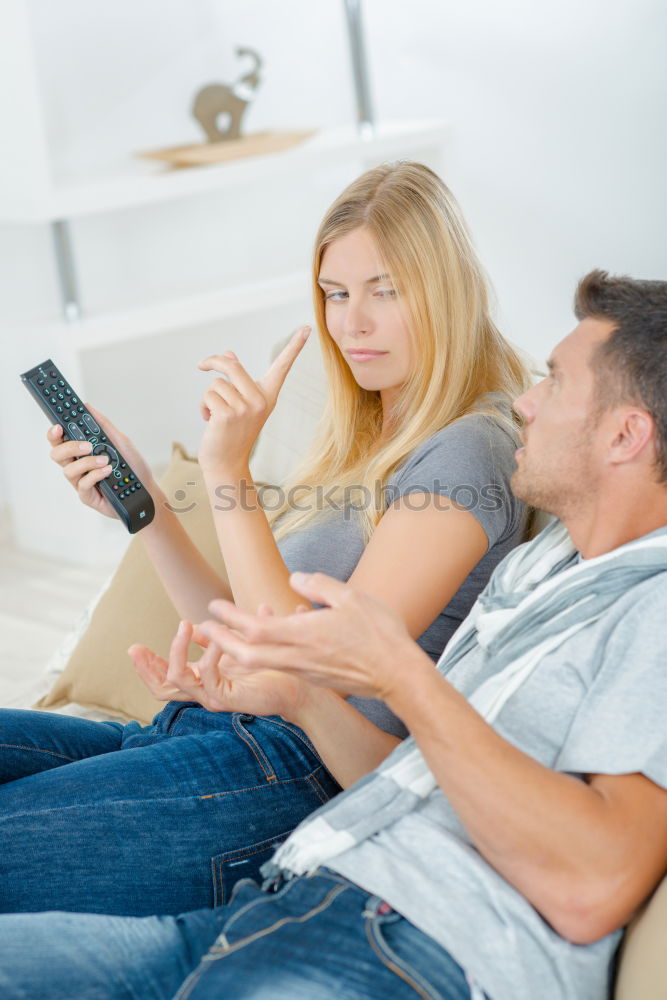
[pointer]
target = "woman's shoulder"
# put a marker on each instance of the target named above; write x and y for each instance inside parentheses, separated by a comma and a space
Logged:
(471, 461)
(484, 438)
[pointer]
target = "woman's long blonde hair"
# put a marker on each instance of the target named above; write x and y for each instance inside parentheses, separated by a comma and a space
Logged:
(425, 247)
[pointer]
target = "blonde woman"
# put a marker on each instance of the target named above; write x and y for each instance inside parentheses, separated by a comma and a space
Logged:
(405, 493)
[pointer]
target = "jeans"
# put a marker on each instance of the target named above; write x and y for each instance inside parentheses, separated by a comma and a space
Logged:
(318, 938)
(99, 817)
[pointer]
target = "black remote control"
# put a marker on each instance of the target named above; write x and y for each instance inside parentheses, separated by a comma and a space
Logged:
(128, 497)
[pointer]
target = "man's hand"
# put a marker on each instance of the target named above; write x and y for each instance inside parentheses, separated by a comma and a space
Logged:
(205, 680)
(356, 645)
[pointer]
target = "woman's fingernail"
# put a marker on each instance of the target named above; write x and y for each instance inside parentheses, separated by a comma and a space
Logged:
(181, 628)
(102, 459)
(230, 354)
(299, 578)
(85, 446)
(306, 332)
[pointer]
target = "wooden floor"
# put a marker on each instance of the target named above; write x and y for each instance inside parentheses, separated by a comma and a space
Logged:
(40, 601)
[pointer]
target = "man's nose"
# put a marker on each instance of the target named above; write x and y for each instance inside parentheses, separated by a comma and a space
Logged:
(525, 404)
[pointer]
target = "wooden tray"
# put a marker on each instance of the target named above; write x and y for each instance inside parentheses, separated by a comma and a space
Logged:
(257, 144)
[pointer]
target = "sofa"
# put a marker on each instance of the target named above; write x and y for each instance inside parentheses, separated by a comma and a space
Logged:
(92, 674)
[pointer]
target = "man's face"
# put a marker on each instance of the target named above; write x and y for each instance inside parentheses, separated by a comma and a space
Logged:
(559, 465)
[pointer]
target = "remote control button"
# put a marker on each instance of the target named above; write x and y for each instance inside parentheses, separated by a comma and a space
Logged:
(46, 391)
(59, 409)
(40, 381)
(104, 449)
(102, 437)
(54, 387)
(116, 473)
(138, 486)
(75, 401)
(74, 431)
(123, 465)
(61, 381)
(126, 480)
(61, 395)
(115, 486)
(68, 392)
(54, 374)
(132, 476)
(90, 424)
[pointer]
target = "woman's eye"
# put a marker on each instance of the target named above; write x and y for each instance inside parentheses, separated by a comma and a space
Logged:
(386, 293)
(337, 296)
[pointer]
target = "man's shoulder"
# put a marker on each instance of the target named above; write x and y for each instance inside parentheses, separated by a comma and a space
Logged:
(640, 612)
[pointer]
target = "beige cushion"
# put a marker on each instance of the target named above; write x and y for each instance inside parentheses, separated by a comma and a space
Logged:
(134, 607)
(642, 972)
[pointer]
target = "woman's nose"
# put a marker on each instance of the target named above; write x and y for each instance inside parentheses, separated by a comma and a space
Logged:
(357, 319)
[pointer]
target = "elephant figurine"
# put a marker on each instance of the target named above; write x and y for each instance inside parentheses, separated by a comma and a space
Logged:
(218, 99)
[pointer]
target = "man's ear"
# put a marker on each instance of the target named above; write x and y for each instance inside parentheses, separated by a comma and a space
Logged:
(635, 431)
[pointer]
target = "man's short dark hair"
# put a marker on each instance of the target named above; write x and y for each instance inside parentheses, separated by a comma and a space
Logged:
(631, 364)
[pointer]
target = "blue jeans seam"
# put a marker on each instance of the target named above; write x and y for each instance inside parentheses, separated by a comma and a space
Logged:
(315, 785)
(255, 748)
(51, 753)
(218, 952)
(143, 803)
(263, 898)
(255, 788)
(396, 965)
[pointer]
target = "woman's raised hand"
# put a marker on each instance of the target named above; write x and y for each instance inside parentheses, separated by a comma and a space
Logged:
(236, 407)
(205, 680)
(84, 470)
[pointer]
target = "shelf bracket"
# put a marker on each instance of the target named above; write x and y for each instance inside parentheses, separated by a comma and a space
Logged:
(69, 291)
(362, 90)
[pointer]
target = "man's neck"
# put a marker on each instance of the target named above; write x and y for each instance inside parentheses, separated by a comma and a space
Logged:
(615, 521)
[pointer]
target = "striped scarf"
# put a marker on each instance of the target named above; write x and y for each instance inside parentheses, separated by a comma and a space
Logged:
(538, 597)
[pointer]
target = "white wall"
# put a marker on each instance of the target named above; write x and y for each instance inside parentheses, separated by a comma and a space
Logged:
(559, 146)
(558, 151)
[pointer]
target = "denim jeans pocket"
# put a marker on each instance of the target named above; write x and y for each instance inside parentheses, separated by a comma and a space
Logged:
(375, 932)
(242, 863)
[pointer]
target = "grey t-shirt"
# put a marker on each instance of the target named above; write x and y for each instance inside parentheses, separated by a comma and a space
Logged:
(470, 462)
(596, 705)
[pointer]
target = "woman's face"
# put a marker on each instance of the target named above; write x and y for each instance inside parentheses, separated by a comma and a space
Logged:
(364, 315)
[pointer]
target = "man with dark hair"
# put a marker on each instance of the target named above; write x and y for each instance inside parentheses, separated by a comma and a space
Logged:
(500, 849)
(631, 363)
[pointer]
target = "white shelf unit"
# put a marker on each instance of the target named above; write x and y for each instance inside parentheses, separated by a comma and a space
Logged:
(143, 183)
(138, 362)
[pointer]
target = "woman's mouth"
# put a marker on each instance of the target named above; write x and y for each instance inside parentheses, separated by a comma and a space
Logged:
(364, 354)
